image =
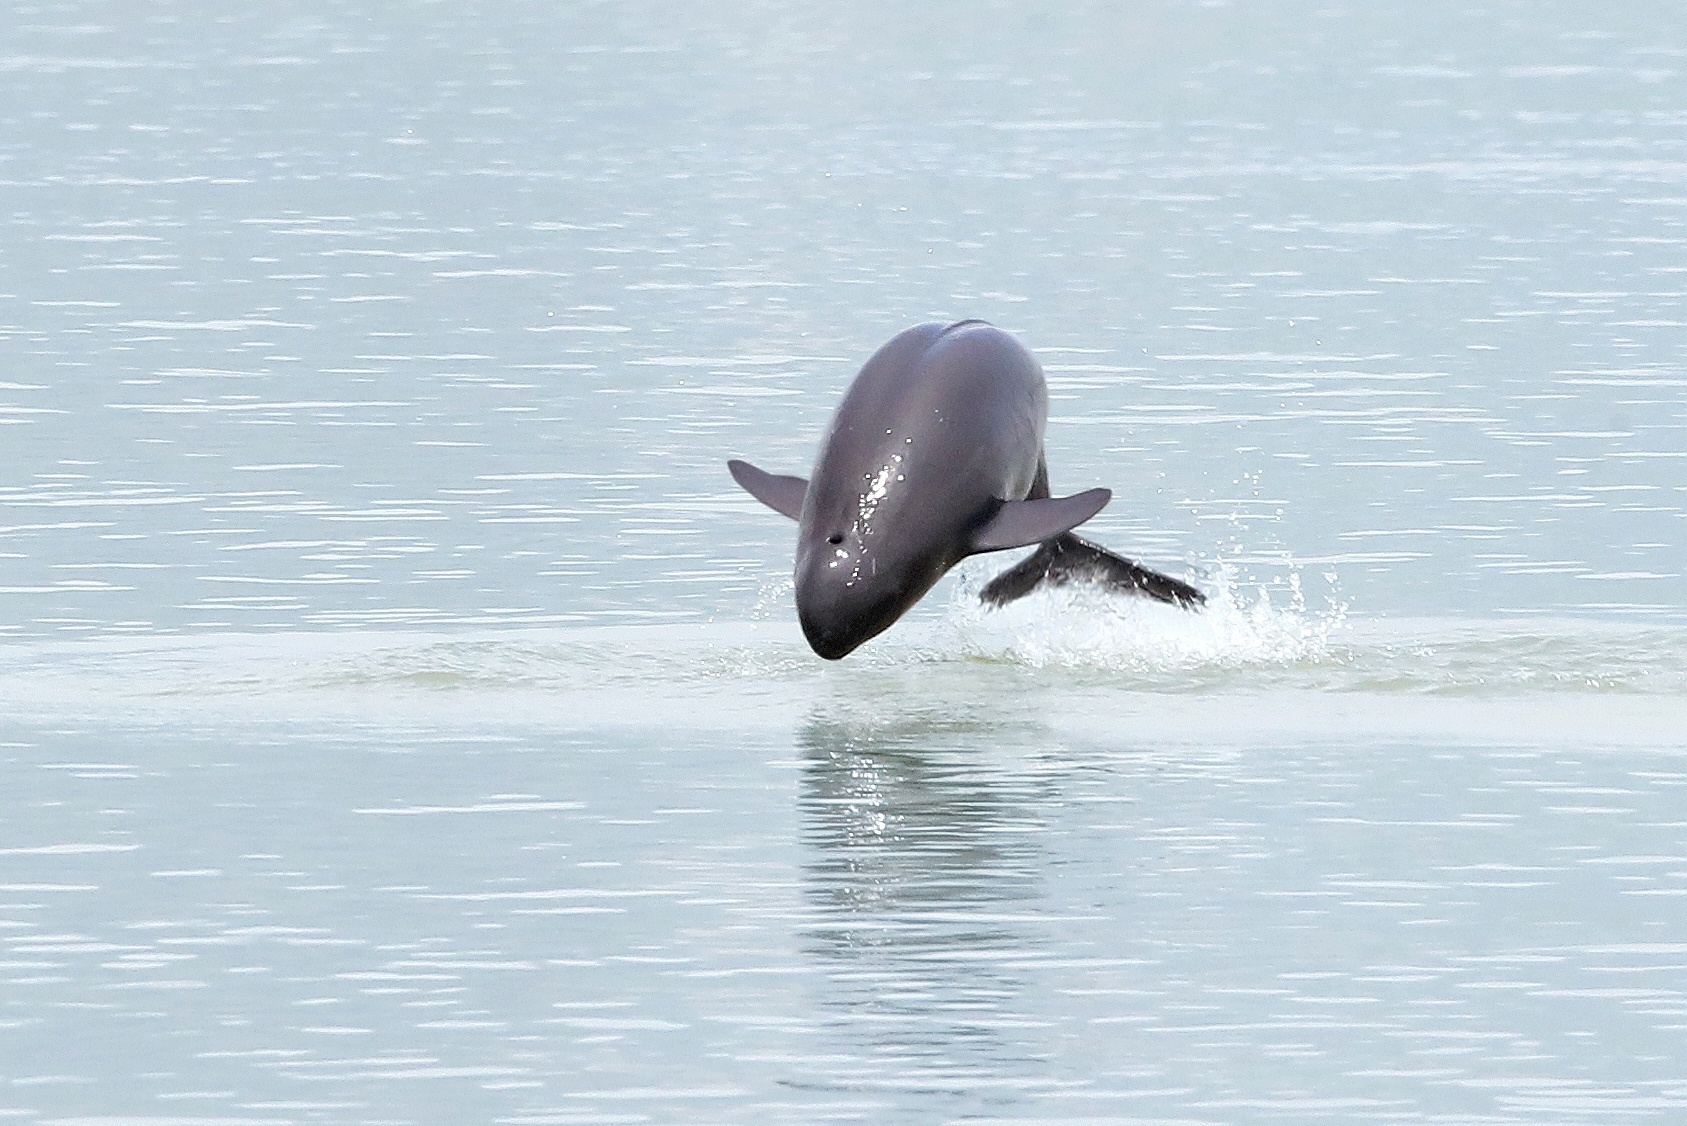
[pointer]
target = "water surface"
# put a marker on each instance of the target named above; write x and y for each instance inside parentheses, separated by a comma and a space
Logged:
(404, 716)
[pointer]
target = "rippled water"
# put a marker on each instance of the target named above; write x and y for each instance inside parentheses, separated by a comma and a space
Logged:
(405, 719)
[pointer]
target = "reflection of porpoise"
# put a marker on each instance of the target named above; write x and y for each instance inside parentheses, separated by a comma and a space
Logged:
(935, 454)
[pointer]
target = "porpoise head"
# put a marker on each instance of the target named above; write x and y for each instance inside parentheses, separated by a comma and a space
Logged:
(853, 583)
(848, 593)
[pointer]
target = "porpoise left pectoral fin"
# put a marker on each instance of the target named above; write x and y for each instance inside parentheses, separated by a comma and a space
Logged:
(1020, 523)
(782, 494)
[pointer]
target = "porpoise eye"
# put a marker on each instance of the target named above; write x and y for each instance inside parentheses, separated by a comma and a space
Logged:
(834, 540)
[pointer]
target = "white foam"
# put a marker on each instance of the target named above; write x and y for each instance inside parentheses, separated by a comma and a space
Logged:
(1083, 626)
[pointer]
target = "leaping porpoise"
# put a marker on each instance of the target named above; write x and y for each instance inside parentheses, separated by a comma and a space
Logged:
(935, 454)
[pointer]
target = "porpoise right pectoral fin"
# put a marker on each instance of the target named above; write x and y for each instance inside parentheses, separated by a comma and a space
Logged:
(782, 494)
(1066, 558)
(1020, 523)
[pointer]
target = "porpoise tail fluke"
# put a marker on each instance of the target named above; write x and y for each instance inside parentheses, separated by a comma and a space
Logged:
(1068, 559)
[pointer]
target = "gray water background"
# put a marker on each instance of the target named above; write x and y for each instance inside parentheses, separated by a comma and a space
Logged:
(404, 717)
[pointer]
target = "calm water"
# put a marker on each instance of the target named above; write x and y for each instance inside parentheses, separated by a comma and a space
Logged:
(404, 716)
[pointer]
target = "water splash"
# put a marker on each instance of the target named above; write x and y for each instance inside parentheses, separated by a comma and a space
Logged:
(773, 596)
(1242, 625)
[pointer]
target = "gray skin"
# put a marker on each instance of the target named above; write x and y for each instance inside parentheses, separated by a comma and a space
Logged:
(934, 454)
